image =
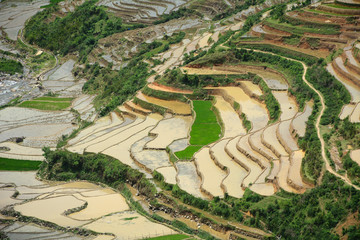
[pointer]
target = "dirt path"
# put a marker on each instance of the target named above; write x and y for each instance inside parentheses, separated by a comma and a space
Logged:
(327, 162)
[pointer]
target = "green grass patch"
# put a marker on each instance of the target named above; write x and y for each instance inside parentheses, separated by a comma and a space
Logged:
(44, 105)
(170, 237)
(205, 129)
(10, 66)
(7, 164)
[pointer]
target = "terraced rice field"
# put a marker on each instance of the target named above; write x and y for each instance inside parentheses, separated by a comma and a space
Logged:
(211, 175)
(230, 118)
(15, 14)
(295, 169)
(350, 86)
(355, 155)
(169, 130)
(16, 151)
(169, 174)
(126, 225)
(299, 122)
(176, 107)
(255, 111)
(152, 159)
(254, 89)
(285, 137)
(270, 139)
(236, 173)
(288, 105)
(188, 179)
(253, 168)
(48, 201)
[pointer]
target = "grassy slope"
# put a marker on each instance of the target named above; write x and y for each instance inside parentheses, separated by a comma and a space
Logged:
(7, 164)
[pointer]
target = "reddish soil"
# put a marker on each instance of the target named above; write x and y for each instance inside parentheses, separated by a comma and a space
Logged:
(157, 86)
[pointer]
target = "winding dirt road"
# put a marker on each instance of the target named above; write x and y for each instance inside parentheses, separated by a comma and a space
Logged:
(317, 124)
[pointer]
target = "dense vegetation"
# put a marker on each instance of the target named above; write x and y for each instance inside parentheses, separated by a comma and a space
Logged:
(18, 165)
(271, 103)
(335, 94)
(308, 59)
(182, 12)
(312, 215)
(62, 165)
(10, 66)
(114, 87)
(238, 8)
(77, 31)
(204, 130)
(177, 79)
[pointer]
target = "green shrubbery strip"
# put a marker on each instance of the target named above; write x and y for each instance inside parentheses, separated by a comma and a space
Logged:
(150, 106)
(308, 59)
(163, 95)
(271, 102)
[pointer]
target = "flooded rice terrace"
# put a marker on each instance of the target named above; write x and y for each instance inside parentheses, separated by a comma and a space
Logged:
(50, 201)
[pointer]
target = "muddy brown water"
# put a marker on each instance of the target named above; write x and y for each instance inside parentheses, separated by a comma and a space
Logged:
(350, 86)
(295, 168)
(355, 115)
(96, 207)
(175, 106)
(212, 175)
(152, 159)
(299, 122)
(52, 210)
(283, 174)
(169, 130)
(355, 155)
(346, 111)
(129, 225)
(271, 139)
(230, 118)
(255, 111)
(285, 135)
(188, 180)
(264, 189)
(237, 173)
(287, 104)
(169, 174)
(254, 169)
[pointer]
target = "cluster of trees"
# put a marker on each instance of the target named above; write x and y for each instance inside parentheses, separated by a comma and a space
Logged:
(77, 31)
(312, 215)
(61, 165)
(307, 59)
(10, 66)
(238, 8)
(182, 12)
(271, 103)
(114, 87)
(185, 81)
(335, 94)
